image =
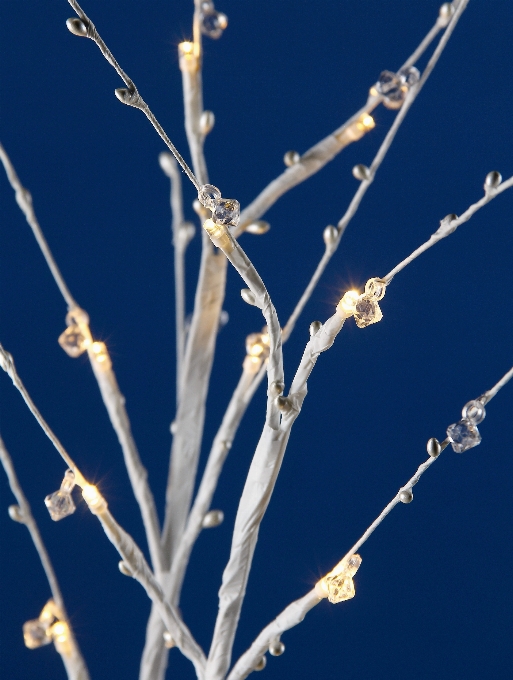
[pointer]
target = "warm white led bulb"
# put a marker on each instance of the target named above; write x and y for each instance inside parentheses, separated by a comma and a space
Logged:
(346, 307)
(94, 499)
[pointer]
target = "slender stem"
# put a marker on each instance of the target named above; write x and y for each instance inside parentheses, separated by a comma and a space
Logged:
(123, 542)
(75, 664)
(447, 228)
(7, 364)
(490, 394)
(24, 200)
(115, 404)
(134, 98)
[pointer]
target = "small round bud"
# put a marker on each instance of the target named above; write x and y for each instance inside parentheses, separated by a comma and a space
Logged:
(213, 519)
(186, 233)
(315, 326)
(276, 648)
(167, 163)
(406, 496)
(492, 180)
(206, 122)
(222, 20)
(445, 13)
(261, 664)
(283, 404)
(248, 296)
(433, 447)
(258, 227)
(168, 640)
(361, 172)
(77, 27)
(16, 514)
(173, 427)
(330, 235)
(276, 387)
(291, 158)
(124, 568)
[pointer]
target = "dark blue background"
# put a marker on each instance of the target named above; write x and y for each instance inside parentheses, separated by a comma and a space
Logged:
(434, 595)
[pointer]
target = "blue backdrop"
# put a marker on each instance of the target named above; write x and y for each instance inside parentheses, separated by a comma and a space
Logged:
(434, 595)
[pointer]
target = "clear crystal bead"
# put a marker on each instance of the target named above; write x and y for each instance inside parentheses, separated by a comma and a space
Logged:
(341, 585)
(376, 288)
(226, 211)
(366, 312)
(73, 341)
(474, 411)
(212, 23)
(394, 86)
(208, 195)
(34, 634)
(410, 76)
(464, 435)
(60, 504)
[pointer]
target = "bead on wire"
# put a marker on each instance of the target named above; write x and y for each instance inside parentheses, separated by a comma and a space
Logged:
(464, 434)
(60, 503)
(394, 87)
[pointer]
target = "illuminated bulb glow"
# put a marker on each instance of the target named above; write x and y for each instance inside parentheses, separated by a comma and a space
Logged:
(94, 499)
(338, 585)
(219, 235)
(188, 56)
(256, 350)
(61, 638)
(251, 364)
(355, 131)
(346, 306)
(100, 354)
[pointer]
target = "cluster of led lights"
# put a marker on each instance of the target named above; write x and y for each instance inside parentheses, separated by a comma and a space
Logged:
(364, 307)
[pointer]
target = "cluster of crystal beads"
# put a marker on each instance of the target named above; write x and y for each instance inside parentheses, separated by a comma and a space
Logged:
(77, 337)
(341, 585)
(225, 211)
(394, 86)
(37, 632)
(367, 310)
(464, 434)
(212, 23)
(60, 504)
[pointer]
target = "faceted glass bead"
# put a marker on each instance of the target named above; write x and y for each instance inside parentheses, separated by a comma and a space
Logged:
(410, 76)
(341, 585)
(212, 23)
(73, 341)
(376, 288)
(60, 504)
(208, 195)
(340, 588)
(34, 634)
(463, 435)
(393, 87)
(366, 312)
(226, 211)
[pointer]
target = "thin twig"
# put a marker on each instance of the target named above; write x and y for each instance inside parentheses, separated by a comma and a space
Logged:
(170, 167)
(74, 663)
(122, 541)
(132, 97)
(24, 200)
(448, 227)
(320, 154)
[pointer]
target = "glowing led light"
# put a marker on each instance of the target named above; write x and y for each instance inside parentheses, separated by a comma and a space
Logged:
(186, 47)
(94, 499)
(356, 130)
(346, 306)
(61, 637)
(338, 585)
(100, 354)
(219, 235)
(188, 54)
